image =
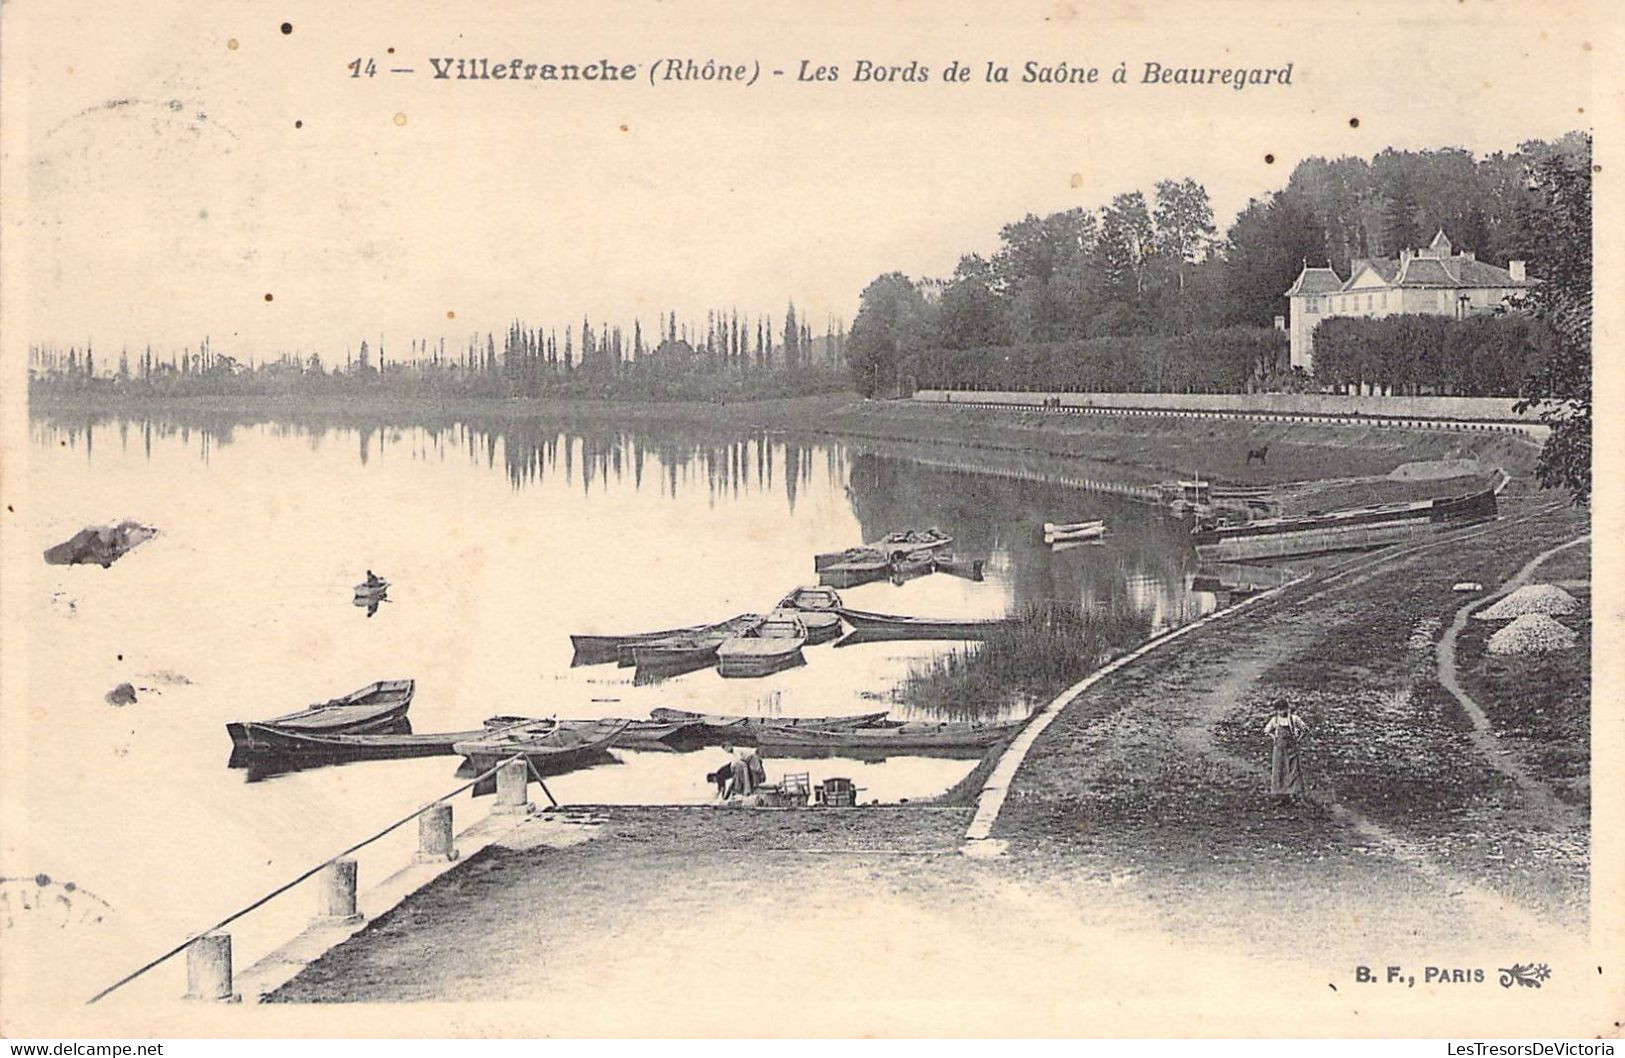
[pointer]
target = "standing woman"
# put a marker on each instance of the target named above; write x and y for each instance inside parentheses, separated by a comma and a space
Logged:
(1285, 730)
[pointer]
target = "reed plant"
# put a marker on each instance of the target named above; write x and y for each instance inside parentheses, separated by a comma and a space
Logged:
(1042, 651)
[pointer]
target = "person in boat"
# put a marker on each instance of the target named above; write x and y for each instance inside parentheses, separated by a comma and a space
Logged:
(373, 579)
(1286, 731)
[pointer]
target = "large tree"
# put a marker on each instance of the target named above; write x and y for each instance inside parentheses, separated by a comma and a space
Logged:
(891, 326)
(1559, 231)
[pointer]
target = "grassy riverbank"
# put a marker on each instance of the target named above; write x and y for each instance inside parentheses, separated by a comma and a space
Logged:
(1159, 773)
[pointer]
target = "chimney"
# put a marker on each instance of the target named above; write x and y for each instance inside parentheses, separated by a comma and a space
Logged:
(1516, 268)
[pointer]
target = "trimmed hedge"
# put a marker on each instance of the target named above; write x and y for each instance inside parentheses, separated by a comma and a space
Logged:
(1221, 361)
(1481, 356)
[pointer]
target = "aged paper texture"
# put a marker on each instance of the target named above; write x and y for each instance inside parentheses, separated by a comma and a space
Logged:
(809, 519)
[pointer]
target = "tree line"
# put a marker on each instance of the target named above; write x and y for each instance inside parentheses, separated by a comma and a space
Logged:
(1144, 266)
(734, 355)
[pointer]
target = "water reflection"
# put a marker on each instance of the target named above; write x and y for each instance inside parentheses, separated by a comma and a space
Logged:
(1146, 564)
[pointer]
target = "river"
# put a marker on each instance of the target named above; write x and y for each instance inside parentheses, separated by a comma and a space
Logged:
(500, 538)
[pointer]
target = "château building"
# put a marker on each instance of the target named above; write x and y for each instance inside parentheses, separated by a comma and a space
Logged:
(1435, 280)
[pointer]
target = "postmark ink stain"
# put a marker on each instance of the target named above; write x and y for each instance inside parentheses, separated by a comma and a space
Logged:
(268, 297)
(1354, 123)
(298, 124)
(450, 315)
(231, 45)
(1269, 159)
(287, 28)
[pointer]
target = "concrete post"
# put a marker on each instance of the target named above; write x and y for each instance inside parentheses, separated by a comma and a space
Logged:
(435, 841)
(208, 969)
(335, 897)
(513, 790)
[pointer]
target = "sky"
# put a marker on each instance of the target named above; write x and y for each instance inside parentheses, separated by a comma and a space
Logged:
(174, 169)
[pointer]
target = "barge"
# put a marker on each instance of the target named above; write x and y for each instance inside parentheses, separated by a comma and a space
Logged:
(1355, 529)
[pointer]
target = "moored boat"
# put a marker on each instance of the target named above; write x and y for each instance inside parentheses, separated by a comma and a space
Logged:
(822, 626)
(811, 598)
(871, 626)
(909, 736)
(676, 655)
(892, 546)
(378, 708)
(1055, 533)
(659, 734)
(371, 590)
(550, 748)
(1354, 529)
(773, 645)
(328, 748)
(601, 650)
(721, 728)
(968, 568)
(851, 573)
(915, 564)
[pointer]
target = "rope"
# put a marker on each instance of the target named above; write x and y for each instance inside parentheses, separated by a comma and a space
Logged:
(262, 901)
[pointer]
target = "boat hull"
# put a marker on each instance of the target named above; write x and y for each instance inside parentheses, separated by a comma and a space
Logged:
(379, 708)
(872, 626)
(1352, 530)
(908, 737)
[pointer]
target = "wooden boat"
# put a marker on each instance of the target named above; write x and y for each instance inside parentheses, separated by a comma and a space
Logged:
(910, 566)
(891, 546)
(551, 747)
(850, 574)
(811, 599)
(313, 746)
(378, 708)
(908, 736)
(871, 626)
(673, 656)
(365, 591)
(601, 650)
(968, 568)
(659, 734)
(1357, 528)
(721, 728)
(822, 626)
(1055, 533)
(773, 645)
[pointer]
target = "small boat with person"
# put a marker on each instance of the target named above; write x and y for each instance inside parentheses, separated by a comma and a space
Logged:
(378, 708)
(773, 645)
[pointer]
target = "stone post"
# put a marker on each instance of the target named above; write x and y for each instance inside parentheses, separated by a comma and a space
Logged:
(208, 969)
(335, 897)
(435, 841)
(513, 789)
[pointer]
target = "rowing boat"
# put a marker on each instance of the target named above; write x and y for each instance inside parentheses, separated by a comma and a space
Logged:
(1067, 532)
(968, 568)
(773, 645)
(675, 655)
(378, 708)
(600, 650)
(550, 749)
(890, 547)
(330, 748)
(717, 727)
(851, 573)
(870, 626)
(909, 736)
(659, 734)
(811, 599)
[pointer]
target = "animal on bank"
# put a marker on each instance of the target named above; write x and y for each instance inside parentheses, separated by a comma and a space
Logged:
(1261, 453)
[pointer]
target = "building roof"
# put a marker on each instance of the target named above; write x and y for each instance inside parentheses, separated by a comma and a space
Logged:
(1437, 267)
(1315, 281)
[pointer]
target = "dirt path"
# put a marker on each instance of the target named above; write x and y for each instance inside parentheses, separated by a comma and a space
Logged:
(1501, 757)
